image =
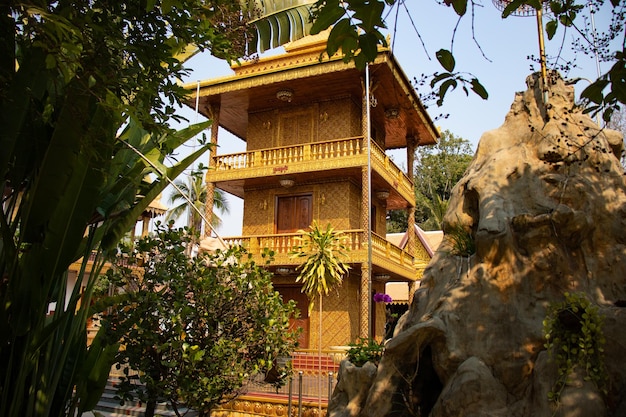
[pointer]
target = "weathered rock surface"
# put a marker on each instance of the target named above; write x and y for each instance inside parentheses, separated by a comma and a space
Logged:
(544, 202)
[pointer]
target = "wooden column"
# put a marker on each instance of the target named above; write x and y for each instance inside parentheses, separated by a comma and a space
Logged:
(411, 237)
(214, 114)
(410, 160)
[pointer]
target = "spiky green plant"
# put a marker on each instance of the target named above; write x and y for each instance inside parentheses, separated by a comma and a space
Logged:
(324, 267)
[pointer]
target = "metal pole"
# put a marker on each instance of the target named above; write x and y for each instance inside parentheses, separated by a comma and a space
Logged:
(300, 393)
(542, 57)
(330, 385)
(289, 399)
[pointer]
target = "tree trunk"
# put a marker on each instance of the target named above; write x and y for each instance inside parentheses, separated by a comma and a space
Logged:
(319, 378)
(150, 408)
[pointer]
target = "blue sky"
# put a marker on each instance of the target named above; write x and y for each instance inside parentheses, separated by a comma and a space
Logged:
(501, 64)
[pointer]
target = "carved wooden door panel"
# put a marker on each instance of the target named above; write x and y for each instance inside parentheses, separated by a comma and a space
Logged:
(294, 213)
(295, 128)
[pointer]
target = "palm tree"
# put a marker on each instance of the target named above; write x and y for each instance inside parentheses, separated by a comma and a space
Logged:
(193, 190)
(437, 207)
(321, 272)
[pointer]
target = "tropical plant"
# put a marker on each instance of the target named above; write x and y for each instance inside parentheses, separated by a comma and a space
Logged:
(459, 241)
(196, 328)
(322, 270)
(365, 350)
(278, 22)
(193, 192)
(73, 76)
(324, 266)
(437, 209)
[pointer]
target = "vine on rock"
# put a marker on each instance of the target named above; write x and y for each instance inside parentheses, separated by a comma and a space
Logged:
(575, 339)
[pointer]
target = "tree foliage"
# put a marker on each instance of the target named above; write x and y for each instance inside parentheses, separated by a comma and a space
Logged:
(437, 169)
(193, 192)
(86, 89)
(357, 27)
(196, 328)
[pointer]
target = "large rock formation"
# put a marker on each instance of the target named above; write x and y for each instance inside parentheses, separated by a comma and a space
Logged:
(541, 211)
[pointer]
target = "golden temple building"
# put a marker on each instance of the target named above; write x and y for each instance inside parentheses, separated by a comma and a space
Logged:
(316, 150)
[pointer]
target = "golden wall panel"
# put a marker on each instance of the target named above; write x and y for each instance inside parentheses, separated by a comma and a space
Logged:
(261, 130)
(355, 204)
(339, 119)
(258, 212)
(339, 316)
(335, 205)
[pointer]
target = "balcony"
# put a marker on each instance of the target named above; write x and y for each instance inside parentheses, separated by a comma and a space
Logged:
(342, 157)
(385, 255)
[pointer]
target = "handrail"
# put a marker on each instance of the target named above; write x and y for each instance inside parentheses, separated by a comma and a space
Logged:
(289, 154)
(378, 155)
(284, 243)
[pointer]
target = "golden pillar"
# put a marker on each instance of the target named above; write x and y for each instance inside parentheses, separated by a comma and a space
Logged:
(366, 297)
(365, 284)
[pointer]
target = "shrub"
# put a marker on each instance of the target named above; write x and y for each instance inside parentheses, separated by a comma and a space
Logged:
(365, 350)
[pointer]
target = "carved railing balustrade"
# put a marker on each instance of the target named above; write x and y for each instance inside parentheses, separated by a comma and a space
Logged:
(302, 158)
(384, 253)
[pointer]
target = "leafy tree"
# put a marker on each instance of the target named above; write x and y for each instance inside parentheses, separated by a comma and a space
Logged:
(193, 190)
(196, 328)
(323, 268)
(397, 221)
(72, 75)
(437, 169)
(357, 24)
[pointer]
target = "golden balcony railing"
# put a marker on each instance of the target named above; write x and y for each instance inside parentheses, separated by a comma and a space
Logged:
(382, 164)
(384, 253)
(340, 148)
(302, 158)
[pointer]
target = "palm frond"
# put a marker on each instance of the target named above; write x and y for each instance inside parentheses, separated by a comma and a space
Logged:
(278, 22)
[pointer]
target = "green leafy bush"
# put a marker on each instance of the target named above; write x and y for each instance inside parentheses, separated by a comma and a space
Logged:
(365, 350)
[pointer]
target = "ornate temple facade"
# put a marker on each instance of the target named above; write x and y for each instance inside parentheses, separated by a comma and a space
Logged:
(317, 150)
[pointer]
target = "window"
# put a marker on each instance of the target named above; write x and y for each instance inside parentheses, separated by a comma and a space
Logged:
(293, 213)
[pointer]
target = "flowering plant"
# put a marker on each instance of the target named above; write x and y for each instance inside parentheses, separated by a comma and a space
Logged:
(382, 298)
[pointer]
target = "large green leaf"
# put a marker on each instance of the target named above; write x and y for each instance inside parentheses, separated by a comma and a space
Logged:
(153, 162)
(278, 22)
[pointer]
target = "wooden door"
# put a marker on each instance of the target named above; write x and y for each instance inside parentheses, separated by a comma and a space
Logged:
(294, 213)
(302, 303)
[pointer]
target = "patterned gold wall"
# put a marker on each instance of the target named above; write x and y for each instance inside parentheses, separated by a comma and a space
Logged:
(261, 128)
(323, 121)
(355, 202)
(340, 321)
(258, 212)
(336, 206)
(341, 314)
(339, 119)
(334, 202)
